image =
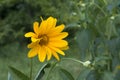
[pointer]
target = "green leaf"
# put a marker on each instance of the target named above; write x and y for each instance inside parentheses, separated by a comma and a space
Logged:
(83, 39)
(9, 76)
(107, 76)
(83, 75)
(72, 29)
(66, 75)
(110, 29)
(19, 74)
(48, 72)
(117, 74)
(41, 71)
(93, 75)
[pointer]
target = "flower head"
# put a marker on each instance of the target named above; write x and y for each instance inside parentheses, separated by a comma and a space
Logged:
(47, 40)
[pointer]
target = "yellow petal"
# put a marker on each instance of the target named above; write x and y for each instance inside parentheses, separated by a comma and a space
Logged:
(51, 23)
(43, 26)
(56, 30)
(32, 45)
(65, 48)
(32, 52)
(30, 34)
(57, 50)
(55, 55)
(59, 36)
(58, 43)
(60, 28)
(49, 53)
(41, 54)
(35, 39)
(54, 22)
(35, 27)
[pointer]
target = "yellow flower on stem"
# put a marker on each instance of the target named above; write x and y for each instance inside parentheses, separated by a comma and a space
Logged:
(47, 40)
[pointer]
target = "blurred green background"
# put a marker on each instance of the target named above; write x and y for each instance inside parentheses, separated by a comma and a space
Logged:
(94, 34)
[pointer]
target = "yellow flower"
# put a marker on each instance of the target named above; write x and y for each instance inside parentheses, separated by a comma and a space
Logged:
(47, 40)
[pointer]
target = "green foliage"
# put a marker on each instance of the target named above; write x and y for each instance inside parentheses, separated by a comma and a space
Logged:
(41, 72)
(17, 16)
(94, 34)
(66, 75)
(83, 74)
(9, 76)
(19, 74)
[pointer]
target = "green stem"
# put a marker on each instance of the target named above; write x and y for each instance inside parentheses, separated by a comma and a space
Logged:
(31, 65)
(100, 8)
(74, 60)
(53, 65)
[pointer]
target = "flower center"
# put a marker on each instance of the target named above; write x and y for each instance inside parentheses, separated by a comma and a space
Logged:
(44, 39)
